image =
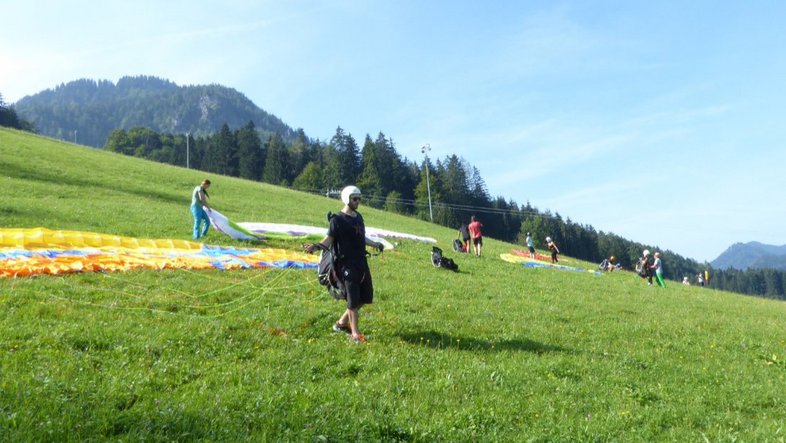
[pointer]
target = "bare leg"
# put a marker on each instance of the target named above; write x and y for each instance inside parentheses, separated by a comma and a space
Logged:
(344, 319)
(352, 316)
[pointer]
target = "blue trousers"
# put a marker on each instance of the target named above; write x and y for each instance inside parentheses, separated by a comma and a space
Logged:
(200, 216)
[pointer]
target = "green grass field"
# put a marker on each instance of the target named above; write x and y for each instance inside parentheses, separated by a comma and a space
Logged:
(495, 352)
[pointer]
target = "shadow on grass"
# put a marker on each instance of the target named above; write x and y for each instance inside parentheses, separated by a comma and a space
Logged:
(439, 340)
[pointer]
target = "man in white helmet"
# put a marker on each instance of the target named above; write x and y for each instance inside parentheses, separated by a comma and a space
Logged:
(554, 250)
(646, 266)
(348, 232)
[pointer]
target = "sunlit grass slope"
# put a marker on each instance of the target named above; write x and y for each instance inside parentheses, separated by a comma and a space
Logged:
(495, 352)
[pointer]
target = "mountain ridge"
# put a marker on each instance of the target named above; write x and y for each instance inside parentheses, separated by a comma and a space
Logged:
(86, 111)
(752, 254)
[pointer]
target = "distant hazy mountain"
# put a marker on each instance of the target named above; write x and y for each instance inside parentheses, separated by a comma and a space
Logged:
(752, 255)
(86, 111)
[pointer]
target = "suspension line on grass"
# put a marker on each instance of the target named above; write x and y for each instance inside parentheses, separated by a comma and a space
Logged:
(257, 294)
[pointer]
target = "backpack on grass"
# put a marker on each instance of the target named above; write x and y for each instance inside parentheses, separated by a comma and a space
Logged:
(440, 261)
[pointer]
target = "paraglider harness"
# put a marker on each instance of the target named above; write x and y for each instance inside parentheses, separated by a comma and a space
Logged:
(440, 261)
(327, 270)
(643, 267)
(327, 273)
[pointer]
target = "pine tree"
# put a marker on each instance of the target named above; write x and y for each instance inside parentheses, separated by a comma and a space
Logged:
(221, 155)
(8, 116)
(347, 156)
(332, 176)
(370, 180)
(276, 162)
(249, 152)
(300, 152)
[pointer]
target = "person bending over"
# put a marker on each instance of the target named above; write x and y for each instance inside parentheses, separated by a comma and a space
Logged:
(199, 205)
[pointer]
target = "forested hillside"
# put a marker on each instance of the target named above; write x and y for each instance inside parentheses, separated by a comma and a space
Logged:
(752, 255)
(87, 111)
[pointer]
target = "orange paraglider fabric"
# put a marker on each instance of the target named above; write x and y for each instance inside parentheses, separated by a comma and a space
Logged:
(35, 251)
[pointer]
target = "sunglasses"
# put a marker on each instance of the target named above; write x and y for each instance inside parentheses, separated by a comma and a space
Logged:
(355, 199)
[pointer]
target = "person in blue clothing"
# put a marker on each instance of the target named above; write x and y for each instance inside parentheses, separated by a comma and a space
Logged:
(199, 206)
(530, 246)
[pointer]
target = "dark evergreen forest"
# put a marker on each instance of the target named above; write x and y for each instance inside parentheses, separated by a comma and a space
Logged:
(10, 119)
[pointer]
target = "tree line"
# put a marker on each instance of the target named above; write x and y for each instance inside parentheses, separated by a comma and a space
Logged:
(399, 185)
(10, 119)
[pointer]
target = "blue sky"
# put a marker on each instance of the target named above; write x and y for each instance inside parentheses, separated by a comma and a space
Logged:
(663, 122)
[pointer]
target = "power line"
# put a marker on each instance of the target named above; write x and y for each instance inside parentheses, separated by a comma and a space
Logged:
(451, 206)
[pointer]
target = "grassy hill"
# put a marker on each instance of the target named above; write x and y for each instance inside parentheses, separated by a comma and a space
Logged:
(496, 352)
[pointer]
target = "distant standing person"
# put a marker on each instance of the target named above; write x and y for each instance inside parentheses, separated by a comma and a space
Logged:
(348, 231)
(530, 246)
(477, 237)
(199, 205)
(657, 268)
(700, 278)
(644, 267)
(554, 250)
(463, 233)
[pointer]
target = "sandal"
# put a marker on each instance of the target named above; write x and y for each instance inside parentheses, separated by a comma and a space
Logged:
(341, 328)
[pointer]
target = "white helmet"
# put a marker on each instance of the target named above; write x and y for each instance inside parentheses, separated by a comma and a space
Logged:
(646, 252)
(548, 238)
(349, 191)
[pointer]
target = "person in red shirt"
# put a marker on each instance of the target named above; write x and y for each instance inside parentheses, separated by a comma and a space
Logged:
(474, 232)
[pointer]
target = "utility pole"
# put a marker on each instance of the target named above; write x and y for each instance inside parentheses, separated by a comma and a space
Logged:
(188, 154)
(424, 150)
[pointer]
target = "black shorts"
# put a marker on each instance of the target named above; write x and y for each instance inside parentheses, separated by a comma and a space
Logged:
(531, 249)
(477, 241)
(357, 280)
